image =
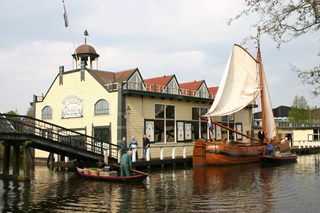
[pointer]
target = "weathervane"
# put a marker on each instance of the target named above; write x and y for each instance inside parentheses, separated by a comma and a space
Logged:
(85, 36)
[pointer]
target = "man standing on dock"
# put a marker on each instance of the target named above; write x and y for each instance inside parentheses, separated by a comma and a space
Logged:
(133, 146)
(123, 145)
(126, 163)
(146, 144)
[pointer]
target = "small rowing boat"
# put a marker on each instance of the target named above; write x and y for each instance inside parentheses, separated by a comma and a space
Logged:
(111, 175)
(279, 159)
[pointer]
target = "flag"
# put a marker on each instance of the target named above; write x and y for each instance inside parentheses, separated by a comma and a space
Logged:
(210, 125)
(65, 16)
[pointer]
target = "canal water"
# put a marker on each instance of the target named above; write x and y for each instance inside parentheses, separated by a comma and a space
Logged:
(246, 188)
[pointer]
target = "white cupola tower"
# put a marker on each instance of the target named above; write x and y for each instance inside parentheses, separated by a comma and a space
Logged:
(85, 55)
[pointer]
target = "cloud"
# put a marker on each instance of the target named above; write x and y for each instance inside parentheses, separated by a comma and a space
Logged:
(187, 38)
(29, 69)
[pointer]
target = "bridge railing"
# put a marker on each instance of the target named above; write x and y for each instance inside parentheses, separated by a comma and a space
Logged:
(28, 125)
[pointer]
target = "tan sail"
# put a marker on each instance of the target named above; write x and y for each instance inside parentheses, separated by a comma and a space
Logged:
(239, 86)
(270, 128)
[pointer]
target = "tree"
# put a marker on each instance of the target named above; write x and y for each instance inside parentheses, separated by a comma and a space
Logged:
(11, 112)
(12, 115)
(284, 20)
(311, 77)
(300, 110)
(30, 112)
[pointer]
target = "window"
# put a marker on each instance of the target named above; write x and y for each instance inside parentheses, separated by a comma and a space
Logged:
(199, 125)
(159, 111)
(316, 134)
(101, 107)
(46, 113)
(228, 118)
(164, 123)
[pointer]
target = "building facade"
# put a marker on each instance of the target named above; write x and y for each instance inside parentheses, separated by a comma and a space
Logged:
(111, 105)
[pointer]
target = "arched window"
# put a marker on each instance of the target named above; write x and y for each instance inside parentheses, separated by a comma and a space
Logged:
(46, 113)
(101, 107)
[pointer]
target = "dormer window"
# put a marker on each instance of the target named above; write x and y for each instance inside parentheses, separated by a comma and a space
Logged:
(202, 92)
(135, 82)
(173, 87)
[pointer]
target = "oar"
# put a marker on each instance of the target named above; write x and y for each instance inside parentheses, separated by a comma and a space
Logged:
(143, 173)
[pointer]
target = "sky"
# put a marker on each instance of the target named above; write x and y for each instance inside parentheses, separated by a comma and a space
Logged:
(188, 38)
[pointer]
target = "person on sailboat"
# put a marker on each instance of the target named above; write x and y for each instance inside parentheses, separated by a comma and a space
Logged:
(269, 149)
(261, 136)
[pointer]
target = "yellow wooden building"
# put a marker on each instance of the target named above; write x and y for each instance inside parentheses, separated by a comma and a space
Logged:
(112, 105)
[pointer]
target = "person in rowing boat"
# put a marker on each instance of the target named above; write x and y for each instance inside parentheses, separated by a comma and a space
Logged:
(126, 164)
(269, 149)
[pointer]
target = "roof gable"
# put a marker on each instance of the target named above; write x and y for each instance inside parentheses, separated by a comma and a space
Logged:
(203, 91)
(134, 81)
(173, 86)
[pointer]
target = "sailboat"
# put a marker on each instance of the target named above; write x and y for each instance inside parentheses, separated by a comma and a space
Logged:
(242, 84)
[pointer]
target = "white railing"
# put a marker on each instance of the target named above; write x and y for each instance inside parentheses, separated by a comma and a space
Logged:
(305, 144)
(163, 152)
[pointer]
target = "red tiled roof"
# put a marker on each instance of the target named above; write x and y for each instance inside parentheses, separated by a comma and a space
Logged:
(213, 91)
(191, 85)
(188, 88)
(163, 81)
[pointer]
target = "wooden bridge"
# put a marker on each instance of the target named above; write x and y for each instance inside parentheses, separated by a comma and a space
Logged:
(21, 133)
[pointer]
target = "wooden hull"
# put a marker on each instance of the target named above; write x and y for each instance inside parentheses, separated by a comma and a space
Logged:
(272, 160)
(136, 178)
(219, 154)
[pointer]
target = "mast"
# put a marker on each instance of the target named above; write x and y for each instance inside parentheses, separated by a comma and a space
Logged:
(263, 110)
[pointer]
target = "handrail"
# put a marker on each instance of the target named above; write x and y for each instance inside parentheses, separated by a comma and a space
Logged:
(172, 151)
(304, 144)
(29, 125)
(157, 88)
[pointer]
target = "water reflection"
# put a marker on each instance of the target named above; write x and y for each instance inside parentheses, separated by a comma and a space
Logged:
(228, 188)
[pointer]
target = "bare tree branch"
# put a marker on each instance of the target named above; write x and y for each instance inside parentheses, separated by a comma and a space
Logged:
(284, 20)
